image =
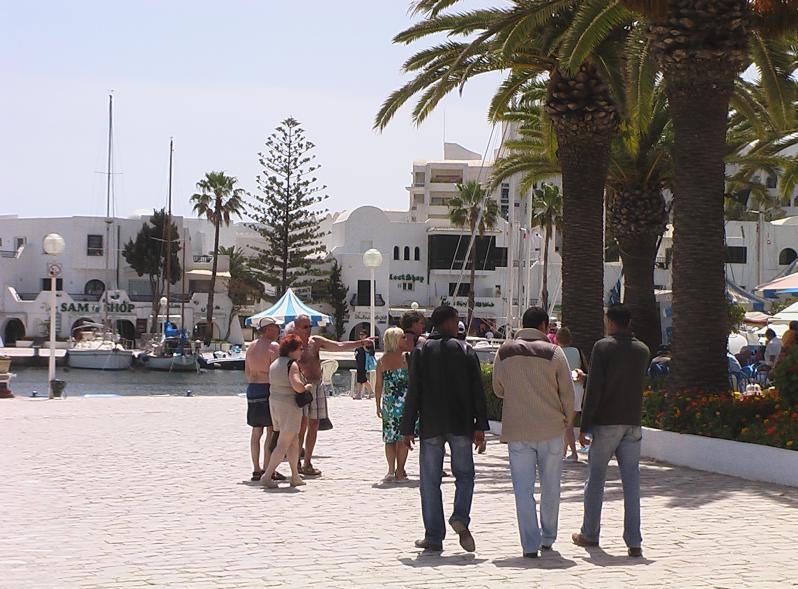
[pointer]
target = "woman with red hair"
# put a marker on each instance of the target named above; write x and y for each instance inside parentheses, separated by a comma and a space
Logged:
(288, 391)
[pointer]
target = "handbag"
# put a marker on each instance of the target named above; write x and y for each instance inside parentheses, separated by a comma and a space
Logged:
(325, 424)
(303, 399)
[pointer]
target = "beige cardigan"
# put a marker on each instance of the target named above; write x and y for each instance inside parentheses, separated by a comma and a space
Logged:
(532, 376)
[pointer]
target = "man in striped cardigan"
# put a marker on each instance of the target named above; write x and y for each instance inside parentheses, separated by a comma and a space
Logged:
(531, 374)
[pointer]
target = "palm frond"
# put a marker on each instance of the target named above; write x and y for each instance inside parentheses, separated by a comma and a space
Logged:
(595, 21)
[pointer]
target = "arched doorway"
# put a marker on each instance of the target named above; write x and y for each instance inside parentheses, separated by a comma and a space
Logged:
(15, 330)
(355, 333)
(126, 330)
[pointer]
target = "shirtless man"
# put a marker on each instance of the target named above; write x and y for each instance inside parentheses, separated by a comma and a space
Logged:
(310, 364)
(260, 355)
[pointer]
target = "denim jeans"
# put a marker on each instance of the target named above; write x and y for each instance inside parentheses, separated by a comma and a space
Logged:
(431, 466)
(526, 459)
(624, 442)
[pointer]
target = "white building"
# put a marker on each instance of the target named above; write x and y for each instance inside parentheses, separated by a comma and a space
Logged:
(87, 272)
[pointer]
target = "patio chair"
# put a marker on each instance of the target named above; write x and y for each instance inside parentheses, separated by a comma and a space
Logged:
(328, 368)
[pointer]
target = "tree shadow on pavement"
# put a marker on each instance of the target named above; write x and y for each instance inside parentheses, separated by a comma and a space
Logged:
(435, 559)
(684, 487)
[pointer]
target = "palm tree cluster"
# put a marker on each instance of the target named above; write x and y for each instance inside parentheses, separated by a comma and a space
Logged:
(628, 99)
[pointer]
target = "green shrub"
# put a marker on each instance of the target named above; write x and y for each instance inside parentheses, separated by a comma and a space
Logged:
(785, 376)
(494, 403)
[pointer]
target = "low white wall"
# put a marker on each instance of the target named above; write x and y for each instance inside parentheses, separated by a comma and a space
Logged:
(748, 461)
(738, 459)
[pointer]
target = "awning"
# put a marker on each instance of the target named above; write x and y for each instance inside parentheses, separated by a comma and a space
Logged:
(207, 273)
(756, 317)
(288, 308)
(784, 285)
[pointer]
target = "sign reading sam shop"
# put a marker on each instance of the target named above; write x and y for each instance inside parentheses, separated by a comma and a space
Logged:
(113, 308)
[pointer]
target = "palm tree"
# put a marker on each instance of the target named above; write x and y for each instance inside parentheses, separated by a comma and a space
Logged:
(243, 286)
(217, 199)
(701, 47)
(475, 210)
(546, 207)
(525, 40)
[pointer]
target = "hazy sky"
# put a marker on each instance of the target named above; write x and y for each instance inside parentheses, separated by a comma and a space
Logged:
(218, 77)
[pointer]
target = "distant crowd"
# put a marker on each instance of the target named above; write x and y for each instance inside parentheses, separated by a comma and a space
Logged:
(429, 386)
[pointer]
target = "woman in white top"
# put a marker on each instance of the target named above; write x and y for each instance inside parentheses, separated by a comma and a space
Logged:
(577, 366)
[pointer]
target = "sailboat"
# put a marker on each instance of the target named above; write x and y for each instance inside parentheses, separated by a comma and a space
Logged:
(100, 348)
(173, 352)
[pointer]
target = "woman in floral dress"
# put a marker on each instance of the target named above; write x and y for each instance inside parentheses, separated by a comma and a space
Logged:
(392, 381)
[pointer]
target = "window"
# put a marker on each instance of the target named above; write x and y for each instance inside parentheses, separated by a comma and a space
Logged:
(59, 284)
(19, 242)
(417, 254)
(736, 255)
(94, 245)
(462, 291)
(94, 287)
(505, 200)
(363, 293)
(418, 179)
(396, 252)
(787, 256)
(408, 286)
(772, 181)
(445, 252)
(407, 252)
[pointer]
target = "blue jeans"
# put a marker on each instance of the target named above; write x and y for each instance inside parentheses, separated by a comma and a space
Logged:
(624, 442)
(526, 459)
(431, 465)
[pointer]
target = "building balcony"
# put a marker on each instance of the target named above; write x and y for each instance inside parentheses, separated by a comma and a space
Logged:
(205, 262)
(358, 301)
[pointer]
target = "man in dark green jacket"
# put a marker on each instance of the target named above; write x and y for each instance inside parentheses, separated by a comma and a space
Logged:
(612, 413)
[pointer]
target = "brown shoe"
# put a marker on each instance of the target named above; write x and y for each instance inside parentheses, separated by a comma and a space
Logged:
(309, 471)
(580, 540)
(466, 539)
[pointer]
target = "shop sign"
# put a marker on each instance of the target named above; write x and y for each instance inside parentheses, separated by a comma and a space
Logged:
(406, 278)
(464, 303)
(366, 316)
(96, 308)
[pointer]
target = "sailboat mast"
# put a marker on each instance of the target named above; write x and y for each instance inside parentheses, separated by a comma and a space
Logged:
(169, 236)
(108, 220)
(183, 286)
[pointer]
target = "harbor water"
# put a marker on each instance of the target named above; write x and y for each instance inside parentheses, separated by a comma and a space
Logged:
(141, 381)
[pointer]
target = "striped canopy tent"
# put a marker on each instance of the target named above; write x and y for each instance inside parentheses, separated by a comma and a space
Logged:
(288, 308)
(781, 286)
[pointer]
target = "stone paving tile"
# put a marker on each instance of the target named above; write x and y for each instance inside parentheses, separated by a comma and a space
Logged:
(153, 491)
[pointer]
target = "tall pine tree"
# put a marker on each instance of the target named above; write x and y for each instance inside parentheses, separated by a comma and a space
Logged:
(281, 210)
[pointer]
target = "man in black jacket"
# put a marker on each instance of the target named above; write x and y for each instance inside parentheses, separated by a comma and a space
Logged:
(445, 391)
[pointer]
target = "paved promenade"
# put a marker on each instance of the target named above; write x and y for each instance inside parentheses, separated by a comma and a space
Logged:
(151, 491)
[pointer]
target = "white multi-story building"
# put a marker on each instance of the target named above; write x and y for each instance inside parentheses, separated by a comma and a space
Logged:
(92, 262)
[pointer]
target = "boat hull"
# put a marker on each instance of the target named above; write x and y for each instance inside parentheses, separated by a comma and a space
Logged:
(171, 363)
(100, 359)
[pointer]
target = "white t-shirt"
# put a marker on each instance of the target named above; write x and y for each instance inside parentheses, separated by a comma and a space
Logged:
(772, 350)
(575, 361)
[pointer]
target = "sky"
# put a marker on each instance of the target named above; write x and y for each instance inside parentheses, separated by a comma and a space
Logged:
(218, 77)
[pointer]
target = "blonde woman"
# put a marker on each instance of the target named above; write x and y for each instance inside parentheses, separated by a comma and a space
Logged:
(392, 382)
(578, 365)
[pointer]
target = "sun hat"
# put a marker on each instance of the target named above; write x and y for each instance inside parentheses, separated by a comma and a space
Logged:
(265, 322)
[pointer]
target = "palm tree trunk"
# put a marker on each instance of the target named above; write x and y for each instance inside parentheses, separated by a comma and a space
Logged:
(638, 257)
(584, 159)
(212, 286)
(700, 325)
(470, 310)
(544, 291)
(701, 47)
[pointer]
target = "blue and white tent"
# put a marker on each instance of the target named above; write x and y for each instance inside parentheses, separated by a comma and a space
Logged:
(288, 308)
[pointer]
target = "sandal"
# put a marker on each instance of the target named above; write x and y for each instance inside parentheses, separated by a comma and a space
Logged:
(277, 476)
(309, 471)
(298, 483)
(256, 475)
(269, 483)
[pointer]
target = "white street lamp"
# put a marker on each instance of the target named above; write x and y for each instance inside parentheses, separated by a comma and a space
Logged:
(372, 260)
(53, 245)
(164, 305)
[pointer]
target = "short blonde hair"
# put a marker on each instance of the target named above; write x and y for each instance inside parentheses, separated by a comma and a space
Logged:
(564, 337)
(393, 339)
